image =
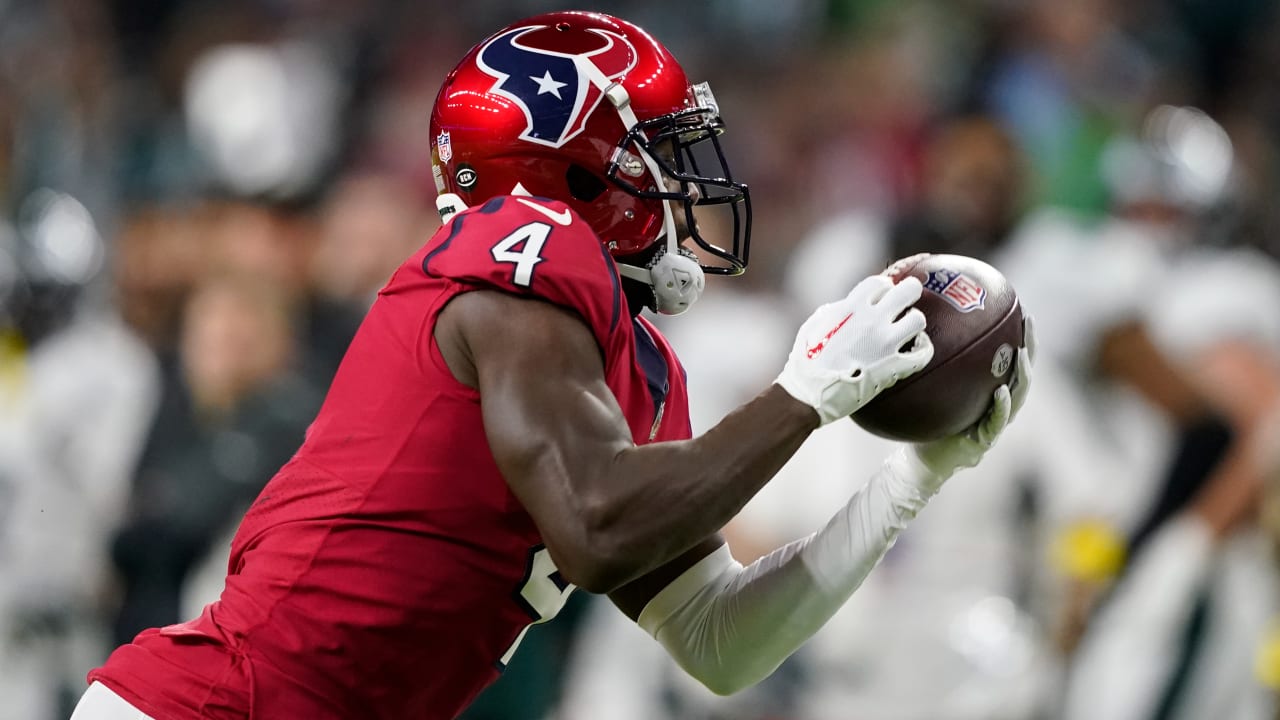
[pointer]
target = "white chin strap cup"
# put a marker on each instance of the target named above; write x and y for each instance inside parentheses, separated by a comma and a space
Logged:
(677, 280)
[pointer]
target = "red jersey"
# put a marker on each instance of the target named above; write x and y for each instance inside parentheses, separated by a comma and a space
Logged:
(387, 571)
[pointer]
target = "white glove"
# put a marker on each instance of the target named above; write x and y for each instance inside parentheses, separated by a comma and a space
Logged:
(850, 350)
(965, 449)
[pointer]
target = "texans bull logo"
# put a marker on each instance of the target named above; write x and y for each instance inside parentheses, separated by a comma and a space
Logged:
(554, 89)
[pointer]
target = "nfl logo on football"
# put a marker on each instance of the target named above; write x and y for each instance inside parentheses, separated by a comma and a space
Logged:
(956, 288)
(444, 147)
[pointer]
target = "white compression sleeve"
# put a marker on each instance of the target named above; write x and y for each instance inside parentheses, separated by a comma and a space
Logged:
(730, 626)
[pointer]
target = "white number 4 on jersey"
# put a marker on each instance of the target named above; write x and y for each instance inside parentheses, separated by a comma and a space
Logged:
(523, 248)
(543, 594)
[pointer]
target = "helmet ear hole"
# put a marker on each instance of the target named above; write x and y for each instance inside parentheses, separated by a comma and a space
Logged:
(583, 185)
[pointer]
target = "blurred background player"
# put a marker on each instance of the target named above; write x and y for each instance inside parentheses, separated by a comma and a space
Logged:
(76, 391)
(233, 387)
(1195, 592)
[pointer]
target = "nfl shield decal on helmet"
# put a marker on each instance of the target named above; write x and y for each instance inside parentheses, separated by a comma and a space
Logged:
(956, 288)
(444, 146)
(554, 89)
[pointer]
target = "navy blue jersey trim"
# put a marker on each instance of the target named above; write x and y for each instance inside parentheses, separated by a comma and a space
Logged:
(560, 582)
(492, 206)
(529, 610)
(652, 363)
(453, 233)
(610, 268)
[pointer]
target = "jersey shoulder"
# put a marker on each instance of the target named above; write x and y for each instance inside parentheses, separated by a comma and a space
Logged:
(529, 246)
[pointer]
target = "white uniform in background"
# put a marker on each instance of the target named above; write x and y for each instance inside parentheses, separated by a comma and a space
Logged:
(1205, 297)
(1080, 277)
(73, 416)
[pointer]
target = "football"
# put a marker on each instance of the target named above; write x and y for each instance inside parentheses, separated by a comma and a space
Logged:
(975, 323)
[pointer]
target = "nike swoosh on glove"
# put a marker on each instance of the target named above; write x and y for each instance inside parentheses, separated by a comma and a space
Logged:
(850, 350)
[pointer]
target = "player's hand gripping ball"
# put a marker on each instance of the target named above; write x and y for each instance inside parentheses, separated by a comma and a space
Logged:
(850, 350)
(975, 323)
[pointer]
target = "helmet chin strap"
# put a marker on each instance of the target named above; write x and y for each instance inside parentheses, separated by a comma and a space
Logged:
(676, 278)
(674, 272)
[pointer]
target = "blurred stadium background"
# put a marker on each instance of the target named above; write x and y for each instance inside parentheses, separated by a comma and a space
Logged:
(199, 198)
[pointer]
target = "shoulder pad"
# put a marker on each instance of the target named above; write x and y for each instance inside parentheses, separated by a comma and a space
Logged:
(530, 246)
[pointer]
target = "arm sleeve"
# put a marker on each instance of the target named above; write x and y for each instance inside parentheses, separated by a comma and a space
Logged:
(730, 626)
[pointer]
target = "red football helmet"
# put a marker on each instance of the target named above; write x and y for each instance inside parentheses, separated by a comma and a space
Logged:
(592, 111)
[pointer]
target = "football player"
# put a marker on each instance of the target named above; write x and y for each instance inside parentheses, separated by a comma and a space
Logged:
(506, 426)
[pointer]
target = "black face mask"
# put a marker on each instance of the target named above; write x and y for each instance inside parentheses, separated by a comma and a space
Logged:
(694, 158)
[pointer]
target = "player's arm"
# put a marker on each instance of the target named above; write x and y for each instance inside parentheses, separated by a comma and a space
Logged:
(610, 511)
(1127, 353)
(730, 626)
(1216, 474)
